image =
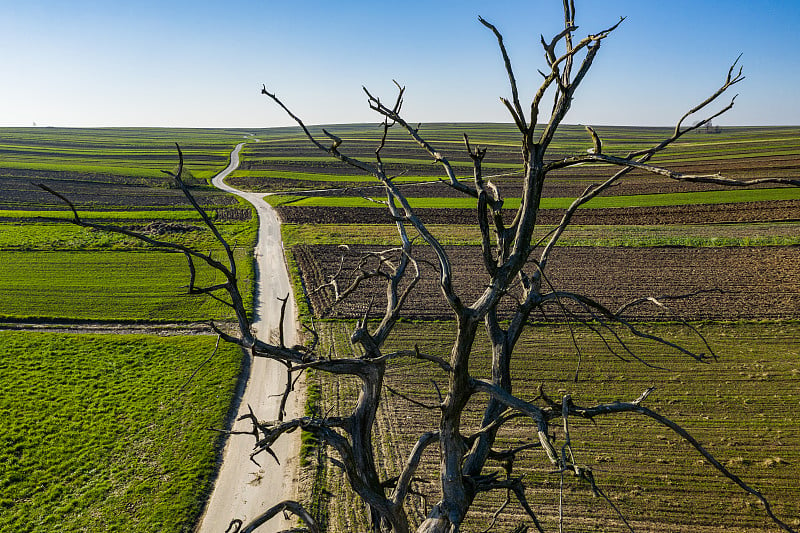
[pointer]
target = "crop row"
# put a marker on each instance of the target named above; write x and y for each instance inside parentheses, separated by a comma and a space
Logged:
(736, 152)
(743, 212)
(740, 407)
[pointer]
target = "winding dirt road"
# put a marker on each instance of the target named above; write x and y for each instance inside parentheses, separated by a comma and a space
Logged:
(243, 490)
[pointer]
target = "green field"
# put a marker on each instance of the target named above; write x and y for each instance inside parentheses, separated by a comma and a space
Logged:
(108, 286)
(100, 434)
(57, 271)
(696, 235)
(742, 407)
(134, 152)
(106, 432)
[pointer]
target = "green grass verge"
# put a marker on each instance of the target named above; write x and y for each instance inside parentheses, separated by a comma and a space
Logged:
(308, 441)
(98, 436)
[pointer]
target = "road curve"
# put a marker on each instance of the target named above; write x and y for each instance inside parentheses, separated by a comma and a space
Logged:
(242, 489)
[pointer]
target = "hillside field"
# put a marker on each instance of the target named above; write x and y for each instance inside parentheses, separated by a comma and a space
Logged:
(737, 251)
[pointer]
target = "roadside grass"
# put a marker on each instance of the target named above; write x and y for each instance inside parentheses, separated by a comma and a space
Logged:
(739, 407)
(98, 435)
(602, 202)
(695, 235)
(111, 286)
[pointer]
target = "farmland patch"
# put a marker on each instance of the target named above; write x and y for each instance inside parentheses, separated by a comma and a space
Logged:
(136, 286)
(725, 283)
(680, 214)
(740, 407)
(107, 431)
(697, 235)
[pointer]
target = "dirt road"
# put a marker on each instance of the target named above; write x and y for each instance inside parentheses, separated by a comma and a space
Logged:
(243, 490)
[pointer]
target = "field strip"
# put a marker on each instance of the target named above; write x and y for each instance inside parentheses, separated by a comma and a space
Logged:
(243, 490)
(633, 200)
(109, 328)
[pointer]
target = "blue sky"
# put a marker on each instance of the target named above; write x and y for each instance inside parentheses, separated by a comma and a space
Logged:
(201, 64)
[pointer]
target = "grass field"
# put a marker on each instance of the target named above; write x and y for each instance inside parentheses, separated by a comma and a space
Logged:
(109, 286)
(106, 432)
(57, 271)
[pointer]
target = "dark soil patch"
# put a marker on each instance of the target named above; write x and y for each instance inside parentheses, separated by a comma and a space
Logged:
(726, 283)
(785, 210)
(19, 193)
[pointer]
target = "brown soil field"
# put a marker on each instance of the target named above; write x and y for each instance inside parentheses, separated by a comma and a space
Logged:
(21, 193)
(728, 283)
(785, 210)
(568, 183)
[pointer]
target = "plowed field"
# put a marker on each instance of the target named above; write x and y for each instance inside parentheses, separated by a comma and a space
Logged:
(727, 283)
(679, 214)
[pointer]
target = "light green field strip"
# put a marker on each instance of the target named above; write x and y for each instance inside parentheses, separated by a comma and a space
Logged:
(136, 286)
(129, 168)
(397, 160)
(105, 152)
(334, 178)
(97, 434)
(695, 235)
(83, 168)
(26, 235)
(638, 200)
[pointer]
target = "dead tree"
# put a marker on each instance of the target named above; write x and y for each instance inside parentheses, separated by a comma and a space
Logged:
(511, 258)
(508, 253)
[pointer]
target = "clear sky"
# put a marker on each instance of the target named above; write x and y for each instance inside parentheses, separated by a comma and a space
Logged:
(181, 63)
